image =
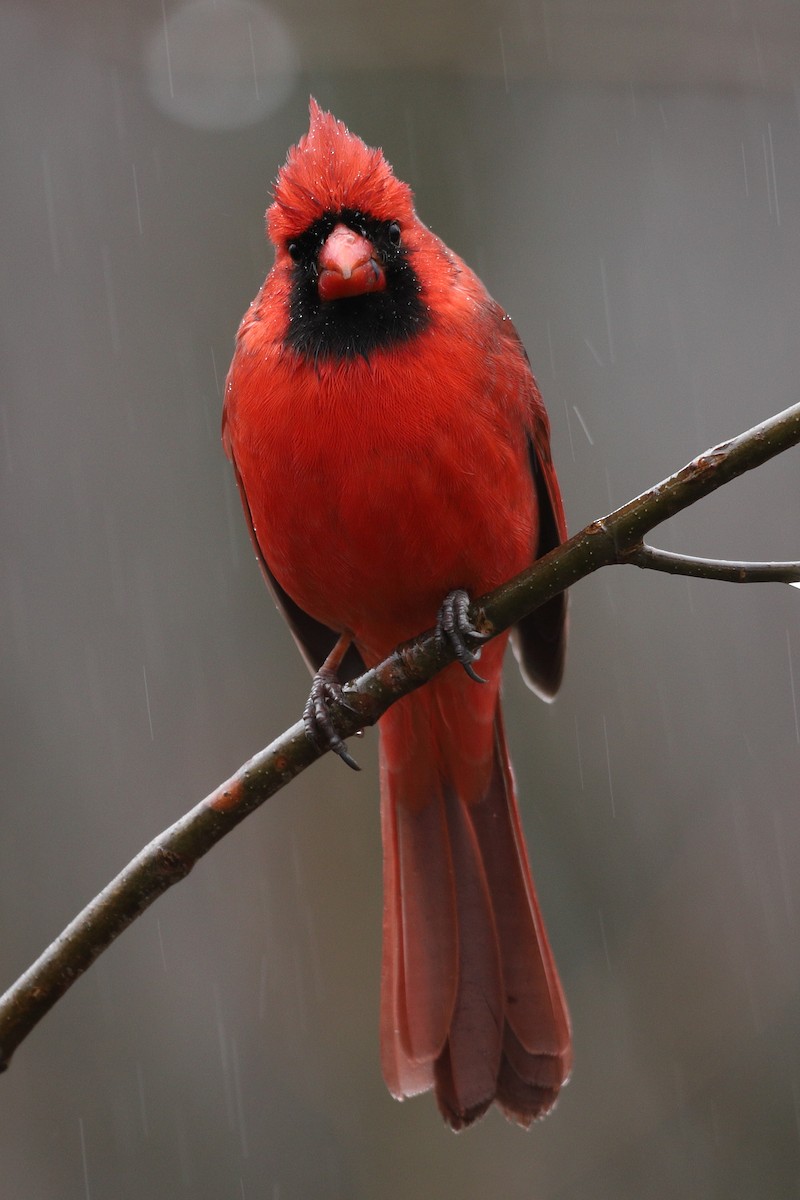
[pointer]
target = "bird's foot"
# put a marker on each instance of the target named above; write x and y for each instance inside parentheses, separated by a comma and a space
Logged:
(325, 691)
(454, 626)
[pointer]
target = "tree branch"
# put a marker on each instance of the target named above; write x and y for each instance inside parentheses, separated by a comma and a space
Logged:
(616, 538)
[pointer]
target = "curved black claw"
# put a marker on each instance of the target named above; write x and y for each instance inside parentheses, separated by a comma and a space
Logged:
(317, 717)
(454, 626)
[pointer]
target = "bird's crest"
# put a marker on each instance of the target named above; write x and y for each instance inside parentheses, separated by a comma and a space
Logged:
(330, 170)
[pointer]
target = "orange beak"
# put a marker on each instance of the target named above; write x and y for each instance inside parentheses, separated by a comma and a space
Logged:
(348, 266)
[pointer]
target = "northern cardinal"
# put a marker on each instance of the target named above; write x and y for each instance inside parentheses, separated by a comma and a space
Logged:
(393, 457)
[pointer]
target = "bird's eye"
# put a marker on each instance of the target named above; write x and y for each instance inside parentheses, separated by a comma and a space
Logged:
(294, 251)
(394, 233)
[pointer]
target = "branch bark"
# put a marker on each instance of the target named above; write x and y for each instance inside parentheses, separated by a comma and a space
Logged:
(615, 539)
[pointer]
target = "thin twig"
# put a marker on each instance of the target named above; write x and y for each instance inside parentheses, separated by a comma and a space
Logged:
(652, 559)
(171, 855)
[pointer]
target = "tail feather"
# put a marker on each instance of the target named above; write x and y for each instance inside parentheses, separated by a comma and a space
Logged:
(404, 1076)
(428, 906)
(525, 1097)
(420, 927)
(471, 1001)
(474, 1042)
(535, 1005)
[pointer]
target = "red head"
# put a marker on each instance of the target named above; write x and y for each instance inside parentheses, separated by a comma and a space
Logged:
(347, 242)
(330, 170)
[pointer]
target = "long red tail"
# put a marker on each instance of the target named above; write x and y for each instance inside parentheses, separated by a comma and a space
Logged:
(471, 1002)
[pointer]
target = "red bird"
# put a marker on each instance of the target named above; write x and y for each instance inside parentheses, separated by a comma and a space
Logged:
(393, 457)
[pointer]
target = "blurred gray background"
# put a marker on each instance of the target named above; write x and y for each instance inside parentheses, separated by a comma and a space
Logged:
(625, 176)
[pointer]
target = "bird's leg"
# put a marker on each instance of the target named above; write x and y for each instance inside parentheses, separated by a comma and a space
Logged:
(454, 626)
(325, 690)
